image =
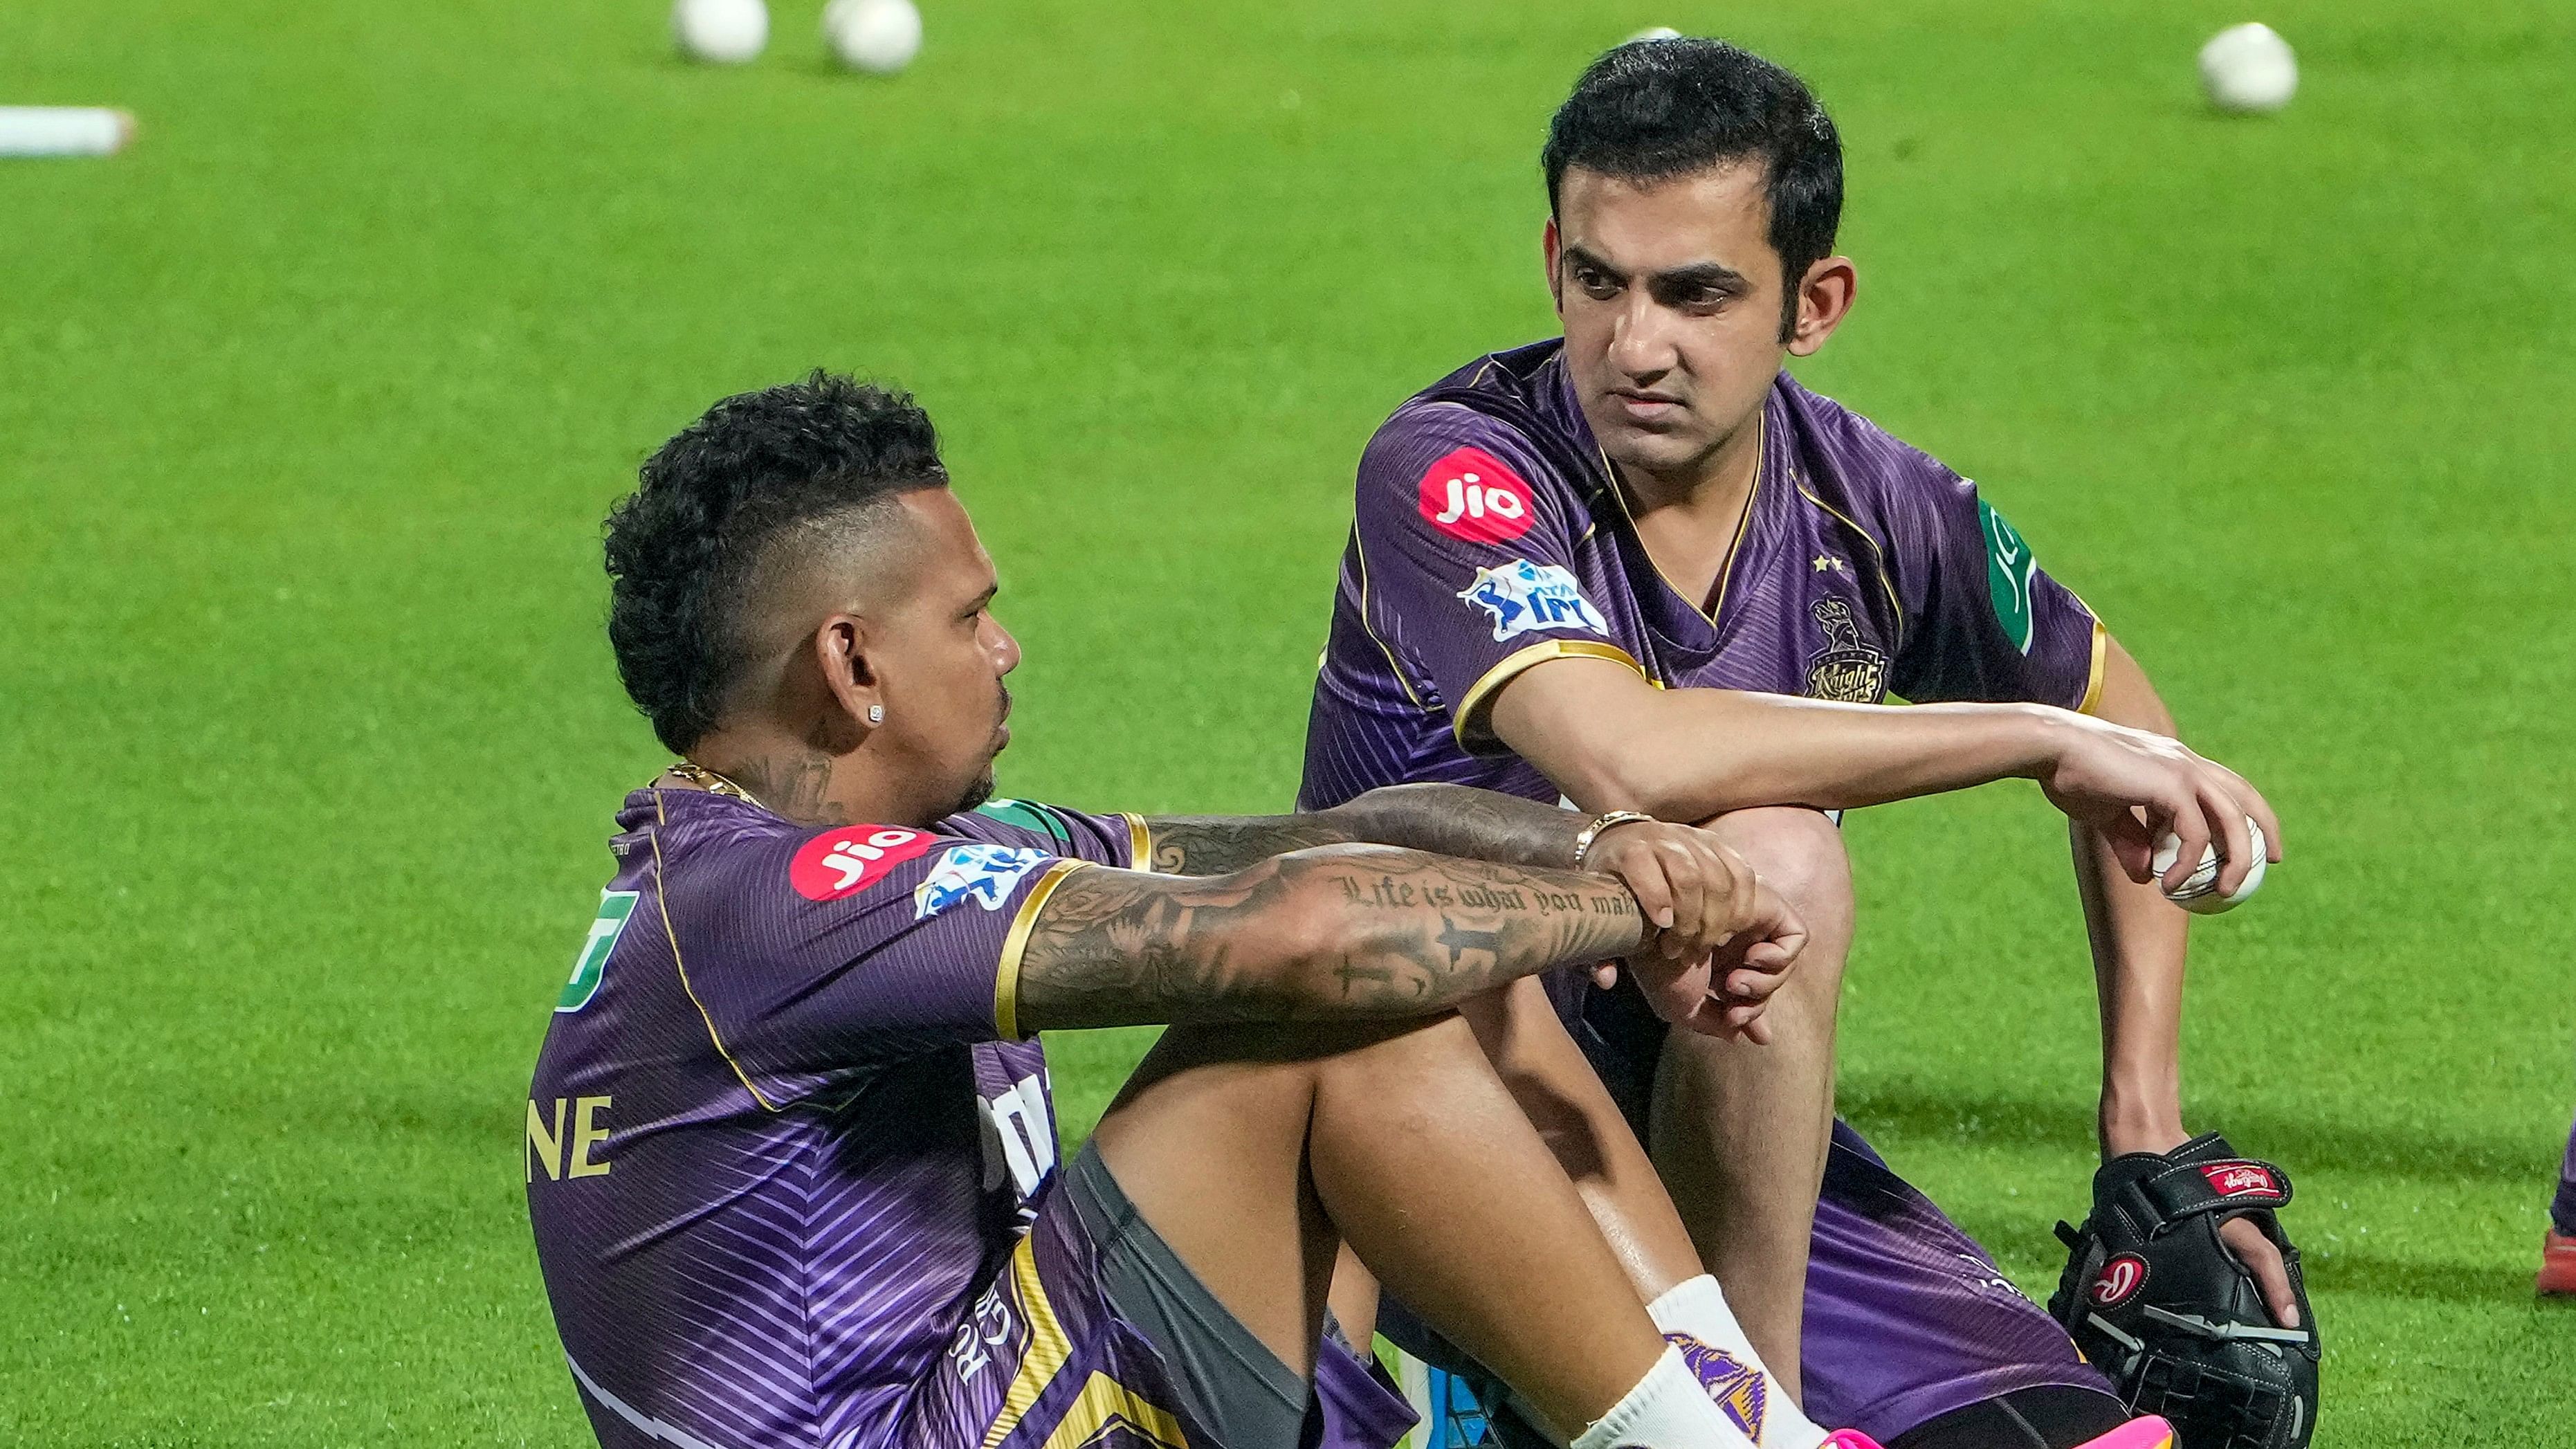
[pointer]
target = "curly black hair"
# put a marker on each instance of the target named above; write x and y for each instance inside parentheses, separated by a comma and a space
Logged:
(1654, 110)
(682, 548)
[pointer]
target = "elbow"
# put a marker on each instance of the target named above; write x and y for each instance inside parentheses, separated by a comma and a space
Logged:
(1643, 779)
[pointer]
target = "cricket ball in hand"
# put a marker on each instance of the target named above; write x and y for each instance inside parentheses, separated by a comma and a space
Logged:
(2199, 891)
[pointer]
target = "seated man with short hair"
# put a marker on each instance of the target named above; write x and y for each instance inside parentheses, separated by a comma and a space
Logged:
(791, 1153)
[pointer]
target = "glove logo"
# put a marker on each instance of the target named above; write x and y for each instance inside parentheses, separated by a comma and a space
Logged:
(1473, 495)
(846, 861)
(2240, 1179)
(2118, 1282)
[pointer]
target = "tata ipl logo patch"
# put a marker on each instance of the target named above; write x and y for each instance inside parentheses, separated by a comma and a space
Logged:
(983, 874)
(1738, 1388)
(1523, 596)
(616, 908)
(1849, 670)
(1475, 496)
(847, 861)
(2009, 568)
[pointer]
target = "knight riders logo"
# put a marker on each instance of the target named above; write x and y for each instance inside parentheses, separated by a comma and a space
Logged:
(1849, 670)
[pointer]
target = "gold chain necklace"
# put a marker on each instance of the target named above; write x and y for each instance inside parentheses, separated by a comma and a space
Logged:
(711, 782)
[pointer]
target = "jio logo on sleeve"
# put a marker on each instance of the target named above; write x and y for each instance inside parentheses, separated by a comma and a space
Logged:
(846, 861)
(1473, 495)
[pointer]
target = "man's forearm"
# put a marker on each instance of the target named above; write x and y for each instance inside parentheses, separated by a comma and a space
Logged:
(2138, 941)
(1345, 932)
(1452, 820)
(1687, 754)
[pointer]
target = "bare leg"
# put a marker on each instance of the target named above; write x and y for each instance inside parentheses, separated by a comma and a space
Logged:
(1739, 1131)
(1547, 1075)
(1353, 1298)
(1254, 1151)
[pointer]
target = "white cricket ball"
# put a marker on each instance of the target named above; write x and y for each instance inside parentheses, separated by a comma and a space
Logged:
(877, 36)
(2249, 70)
(2199, 891)
(1654, 32)
(720, 32)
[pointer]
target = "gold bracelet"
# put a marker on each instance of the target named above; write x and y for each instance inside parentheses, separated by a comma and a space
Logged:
(1592, 832)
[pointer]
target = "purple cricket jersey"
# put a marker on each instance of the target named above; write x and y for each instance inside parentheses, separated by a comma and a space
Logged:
(788, 1159)
(1489, 538)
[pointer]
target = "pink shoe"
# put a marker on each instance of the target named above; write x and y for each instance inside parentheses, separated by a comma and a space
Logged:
(2557, 1265)
(2147, 1433)
(1848, 1439)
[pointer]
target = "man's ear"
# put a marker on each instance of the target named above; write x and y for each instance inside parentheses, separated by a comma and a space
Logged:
(851, 689)
(1551, 245)
(1824, 300)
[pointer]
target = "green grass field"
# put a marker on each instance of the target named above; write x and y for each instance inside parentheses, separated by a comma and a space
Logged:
(310, 405)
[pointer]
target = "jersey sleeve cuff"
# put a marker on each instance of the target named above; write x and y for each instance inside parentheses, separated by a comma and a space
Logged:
(2093, 681)
(1140, 842)
(1467, 722)
(1006, 978)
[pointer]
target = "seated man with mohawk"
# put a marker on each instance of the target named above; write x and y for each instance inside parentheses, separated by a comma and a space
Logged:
(792, 1163)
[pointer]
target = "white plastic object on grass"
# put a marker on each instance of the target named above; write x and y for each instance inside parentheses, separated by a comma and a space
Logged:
(64, 130)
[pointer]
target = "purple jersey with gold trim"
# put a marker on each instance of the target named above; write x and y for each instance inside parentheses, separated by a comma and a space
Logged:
(1489, 538)
(786, 1149)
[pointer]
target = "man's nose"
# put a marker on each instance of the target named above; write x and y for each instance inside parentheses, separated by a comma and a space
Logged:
(1006, 649)
(1641, 341)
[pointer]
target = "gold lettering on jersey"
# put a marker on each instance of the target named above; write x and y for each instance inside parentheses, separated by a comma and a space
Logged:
(548, 1142)
(586, 1134)
(545, 1145)
(1849, 670)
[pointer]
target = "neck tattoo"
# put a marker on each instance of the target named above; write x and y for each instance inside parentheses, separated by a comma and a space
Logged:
(712, 782)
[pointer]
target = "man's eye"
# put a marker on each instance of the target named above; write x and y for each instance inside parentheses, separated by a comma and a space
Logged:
(1595, 283)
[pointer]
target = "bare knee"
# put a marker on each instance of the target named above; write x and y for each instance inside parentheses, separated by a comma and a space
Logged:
(1800, 854)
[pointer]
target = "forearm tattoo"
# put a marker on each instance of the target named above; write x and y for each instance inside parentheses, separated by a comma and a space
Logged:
(1454, 820)
(1351, 932)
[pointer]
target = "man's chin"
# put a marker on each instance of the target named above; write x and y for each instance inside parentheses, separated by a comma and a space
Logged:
(1653, 452)
(976, 794)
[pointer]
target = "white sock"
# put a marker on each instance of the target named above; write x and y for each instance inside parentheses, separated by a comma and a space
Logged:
(1668, 1409)
(1733, 1374)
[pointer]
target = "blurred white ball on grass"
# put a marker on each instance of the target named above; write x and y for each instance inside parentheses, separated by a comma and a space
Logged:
(2249, 70)
(720, 32)
(876, 36)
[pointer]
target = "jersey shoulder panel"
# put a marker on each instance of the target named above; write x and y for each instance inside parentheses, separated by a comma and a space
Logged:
(1861, 468)
(1113, 840)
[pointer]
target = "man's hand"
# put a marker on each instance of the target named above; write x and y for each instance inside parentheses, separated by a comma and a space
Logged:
(2136, 787)
(2246, 1241)
(1722, 941)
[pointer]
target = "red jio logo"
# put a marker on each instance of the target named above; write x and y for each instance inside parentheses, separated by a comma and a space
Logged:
(1473, 495)
(846, 861)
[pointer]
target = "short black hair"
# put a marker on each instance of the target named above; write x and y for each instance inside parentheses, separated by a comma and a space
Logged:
(1653, 110)
(684, 546)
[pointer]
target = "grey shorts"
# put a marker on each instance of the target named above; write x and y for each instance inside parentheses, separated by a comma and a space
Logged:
(1230, 1383)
